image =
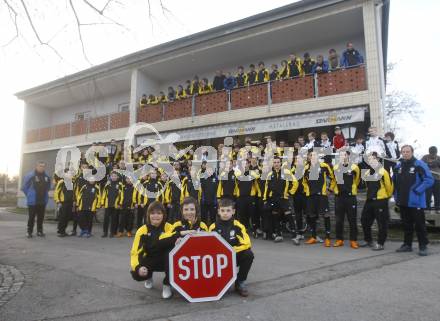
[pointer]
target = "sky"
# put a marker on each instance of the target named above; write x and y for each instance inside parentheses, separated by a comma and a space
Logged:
(414, 35)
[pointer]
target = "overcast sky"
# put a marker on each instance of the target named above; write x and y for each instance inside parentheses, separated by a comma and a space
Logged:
(413, 44)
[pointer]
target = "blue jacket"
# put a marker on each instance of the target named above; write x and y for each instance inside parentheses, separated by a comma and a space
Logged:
(230, 83)
(324, 67)
(28, 188)
(345, 60)
(411, 179)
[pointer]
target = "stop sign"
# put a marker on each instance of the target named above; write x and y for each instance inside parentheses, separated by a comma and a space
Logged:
(202, 267)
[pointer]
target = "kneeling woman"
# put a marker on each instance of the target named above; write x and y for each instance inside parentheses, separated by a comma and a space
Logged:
(191, 222)
(149, 252)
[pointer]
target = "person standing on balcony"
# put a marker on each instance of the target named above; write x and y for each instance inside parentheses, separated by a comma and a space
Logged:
(188, 86)
(307, 64)
(321, 66)
(195, 84)
(251, 75)
(351, 57)
(241, 77)
(230, 82)
(162, 99)
(333, 60)
(295, 66)
(274, 74)
(36, 185)
(152, 100)
(263, 73)
(171, 94)
(181, 93)
(433, 161)
(284, 72)
(205, 87)
(144, 101)
(218, 82)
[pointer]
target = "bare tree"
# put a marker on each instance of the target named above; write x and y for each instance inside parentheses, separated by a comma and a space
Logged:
(399, 104)
(22, 15)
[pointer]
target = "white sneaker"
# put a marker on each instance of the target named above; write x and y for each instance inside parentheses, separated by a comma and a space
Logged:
(278, 239)
(300, 237)
(320, 240)
(166, 292)
(149, 284)
(259, 232)
(296, 240)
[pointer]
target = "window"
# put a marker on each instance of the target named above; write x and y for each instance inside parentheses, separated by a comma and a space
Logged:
(123, 107)
(82, 116)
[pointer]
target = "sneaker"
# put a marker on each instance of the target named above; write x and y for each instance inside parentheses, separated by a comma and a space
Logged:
(29, 235)
(62, 234)
(241, 289)
(104, 235)
(119, 234)
(73, 233)
(319, 240)
(82, 233)
(278, 239)
(311, 240)
(148, 283)
(437, 211)
(365, 244)
(378, 247)
(354, 245)
(254, 235)
(404, 248)
(301, 237)
(41, 234)
(88, 235)
(129, 234)
(166, 292)
(338, 243)
(423, 251)
(296, 240)
(259, 232)
(328, 243)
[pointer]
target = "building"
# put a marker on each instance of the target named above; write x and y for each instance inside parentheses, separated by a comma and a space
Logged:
(101, 102)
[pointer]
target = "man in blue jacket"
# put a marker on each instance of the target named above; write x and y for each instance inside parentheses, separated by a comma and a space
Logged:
(36, 185)
(411, 179)
(351, 57)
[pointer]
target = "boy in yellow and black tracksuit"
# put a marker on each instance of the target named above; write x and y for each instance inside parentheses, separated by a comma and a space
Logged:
(246, 193)
(233, 232)
(347, 177)
(299, 200)
(379, 190)
(208, 194)
(126, 216)
(111, 200)
(316, 177)
(251, 76)
(174, 196)
(227, 183)
(150, 190)
(64, 198)
(280, 184)
(241, 77)
(88, 203)
(262, 74)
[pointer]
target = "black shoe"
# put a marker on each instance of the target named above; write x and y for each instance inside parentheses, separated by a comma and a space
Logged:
(62, 234)
(423, 251)
(378, 247)
(365, 244)
(104, 235)
(241, 289)
(29, 235)
(404, 248)
(73, 233)
(41, 234)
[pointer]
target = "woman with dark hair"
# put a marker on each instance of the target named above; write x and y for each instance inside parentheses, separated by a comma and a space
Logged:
(190, 223)
(149, 252)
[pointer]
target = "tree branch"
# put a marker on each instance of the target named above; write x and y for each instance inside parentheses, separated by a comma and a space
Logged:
(14, 21)
(101, 13)
(78, 25)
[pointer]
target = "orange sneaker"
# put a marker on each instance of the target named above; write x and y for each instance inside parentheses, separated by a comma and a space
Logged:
(129, 234)
(338, 243)
(311, 240)
(327, 243)
(354, 245)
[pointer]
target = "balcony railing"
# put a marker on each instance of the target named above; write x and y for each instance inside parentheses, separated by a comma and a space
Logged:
(79, 127)
(280, 91)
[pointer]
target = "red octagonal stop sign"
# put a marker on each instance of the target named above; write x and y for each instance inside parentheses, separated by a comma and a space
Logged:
(202, 267)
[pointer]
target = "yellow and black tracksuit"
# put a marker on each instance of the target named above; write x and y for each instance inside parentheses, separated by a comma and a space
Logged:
(174, 196)
(280, 184)
(152, 100)
(315, 187)
(299, 202)
(246, 193)
(307, 66)
(150, 251)
(181, 226)
(284, 72)
(194, 89)
(233, 232)
(251, 78)
(206, 89)
(274, 75)
(143, 102)
(259, 204)
(345, 188)
(64, 196)
(111, 199)
(114, 155)
(88, 203)
(150, 190)
(181, 95)
(241, 79)
(379, 190)
(295, 68)
(227, 185)
(208, 196)
(126, 216)
(262, 76)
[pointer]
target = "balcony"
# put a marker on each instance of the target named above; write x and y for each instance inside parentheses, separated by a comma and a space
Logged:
(276, 92)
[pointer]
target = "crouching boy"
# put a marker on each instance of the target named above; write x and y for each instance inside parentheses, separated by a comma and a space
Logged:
(235, 234)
